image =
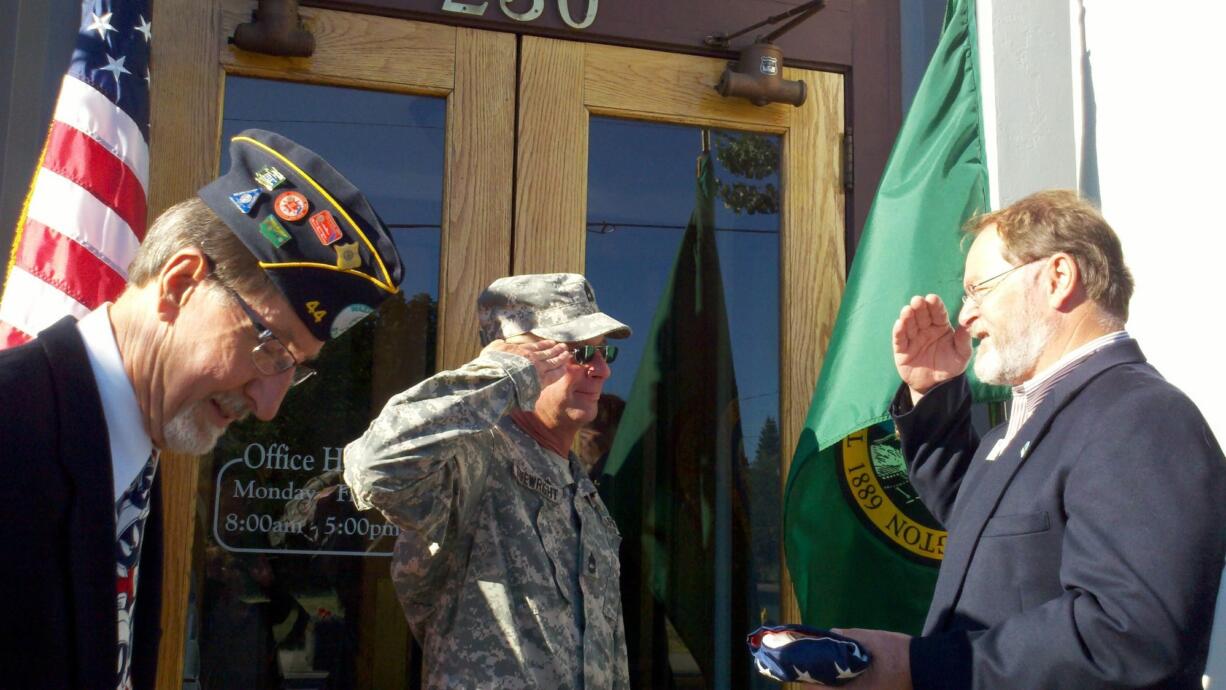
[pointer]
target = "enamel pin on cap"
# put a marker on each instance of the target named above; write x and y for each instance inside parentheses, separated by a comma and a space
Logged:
(269, 177)
(316, 236)
(325, 228)
(291, 206)
(274, 232)
(245, 201)
(347, 255)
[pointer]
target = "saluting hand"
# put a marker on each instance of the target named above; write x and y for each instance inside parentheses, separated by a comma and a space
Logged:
(548, 356)
(927, 348)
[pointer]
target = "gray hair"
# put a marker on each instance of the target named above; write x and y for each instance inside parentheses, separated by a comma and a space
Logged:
(191, 223)
(1059, 220)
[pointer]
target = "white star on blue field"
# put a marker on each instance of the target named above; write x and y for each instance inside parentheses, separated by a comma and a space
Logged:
(112, 54)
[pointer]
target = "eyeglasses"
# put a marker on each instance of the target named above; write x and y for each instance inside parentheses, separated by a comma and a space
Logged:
(585, 353)
(270, 355)
(976, 295)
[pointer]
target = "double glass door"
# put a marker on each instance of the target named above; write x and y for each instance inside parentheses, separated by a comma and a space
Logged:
(711, 226)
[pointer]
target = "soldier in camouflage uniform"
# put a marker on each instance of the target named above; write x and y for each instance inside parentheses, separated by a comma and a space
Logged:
(507, 563)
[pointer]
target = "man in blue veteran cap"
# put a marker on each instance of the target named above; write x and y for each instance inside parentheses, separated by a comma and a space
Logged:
(229, 298)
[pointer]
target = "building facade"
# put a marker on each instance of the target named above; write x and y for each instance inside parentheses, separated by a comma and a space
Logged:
(494, 138)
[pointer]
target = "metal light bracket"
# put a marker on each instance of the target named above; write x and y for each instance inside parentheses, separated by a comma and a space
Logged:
(757, 75)
(758, 78)
(275, 29)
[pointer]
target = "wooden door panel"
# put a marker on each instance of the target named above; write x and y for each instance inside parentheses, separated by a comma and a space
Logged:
(473, 70)
(564, 84)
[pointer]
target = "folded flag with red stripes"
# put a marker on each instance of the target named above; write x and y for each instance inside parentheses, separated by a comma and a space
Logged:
(84, 216)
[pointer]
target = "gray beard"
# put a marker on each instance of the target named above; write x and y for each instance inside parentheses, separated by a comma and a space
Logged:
(188, 433)
(1010, 356)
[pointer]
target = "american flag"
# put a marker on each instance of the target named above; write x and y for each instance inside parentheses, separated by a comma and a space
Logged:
(85, 215)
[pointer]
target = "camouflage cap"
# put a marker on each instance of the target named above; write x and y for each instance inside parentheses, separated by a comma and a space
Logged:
(557, 306)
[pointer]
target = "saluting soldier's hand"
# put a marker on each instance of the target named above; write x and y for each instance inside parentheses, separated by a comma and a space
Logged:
(927, 348)
(548, 356)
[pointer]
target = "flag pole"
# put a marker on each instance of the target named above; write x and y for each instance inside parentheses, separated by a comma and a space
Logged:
(723, 499)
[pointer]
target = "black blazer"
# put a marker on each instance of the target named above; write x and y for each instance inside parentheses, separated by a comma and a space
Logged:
(1088, 554)
(58, 622)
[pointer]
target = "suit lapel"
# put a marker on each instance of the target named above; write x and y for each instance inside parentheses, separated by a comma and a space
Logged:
(86, 459)
(997, 475)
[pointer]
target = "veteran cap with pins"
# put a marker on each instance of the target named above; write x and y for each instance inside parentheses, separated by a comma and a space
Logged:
(311, 230)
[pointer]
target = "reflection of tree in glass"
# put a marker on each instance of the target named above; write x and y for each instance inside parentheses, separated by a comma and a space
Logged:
(764, 501)
(403, 350)
(396, 342)
(754, 157)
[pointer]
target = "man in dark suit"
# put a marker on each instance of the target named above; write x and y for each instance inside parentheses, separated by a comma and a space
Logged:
(1086, 535)
(229, 295)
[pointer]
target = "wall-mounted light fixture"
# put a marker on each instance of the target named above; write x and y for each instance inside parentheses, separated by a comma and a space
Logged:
(275, 29)
(757, 76)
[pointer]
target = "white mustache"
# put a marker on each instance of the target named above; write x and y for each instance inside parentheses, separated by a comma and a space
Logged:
(233, 405)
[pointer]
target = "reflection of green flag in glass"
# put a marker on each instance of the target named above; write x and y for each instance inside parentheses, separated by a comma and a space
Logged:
(862, 551)
(677, 469)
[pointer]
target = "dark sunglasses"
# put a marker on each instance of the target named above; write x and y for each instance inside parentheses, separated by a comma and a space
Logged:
(585, 353)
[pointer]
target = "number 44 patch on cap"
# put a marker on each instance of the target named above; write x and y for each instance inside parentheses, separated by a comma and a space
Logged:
(313, 309)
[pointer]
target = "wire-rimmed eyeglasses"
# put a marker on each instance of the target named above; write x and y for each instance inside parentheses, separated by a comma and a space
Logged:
(270, 355)
(976, 293)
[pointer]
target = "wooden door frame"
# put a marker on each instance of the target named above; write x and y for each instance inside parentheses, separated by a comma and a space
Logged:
(564, 83)
(474, 70)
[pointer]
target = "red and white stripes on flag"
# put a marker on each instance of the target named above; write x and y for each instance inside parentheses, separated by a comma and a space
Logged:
(85, 214)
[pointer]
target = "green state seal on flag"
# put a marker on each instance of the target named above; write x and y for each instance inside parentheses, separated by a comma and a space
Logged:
(873, 476)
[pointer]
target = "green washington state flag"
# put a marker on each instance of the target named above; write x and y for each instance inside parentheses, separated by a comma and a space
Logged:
(861, 548)
(675, 480)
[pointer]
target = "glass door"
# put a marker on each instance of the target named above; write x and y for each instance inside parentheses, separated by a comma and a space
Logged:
(274, 579)
(294, 588)
(712, 226)
(714, 229)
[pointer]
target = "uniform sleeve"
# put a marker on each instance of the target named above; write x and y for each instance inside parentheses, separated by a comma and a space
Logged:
(423, 459)
(938, 442)
(1140, 565)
